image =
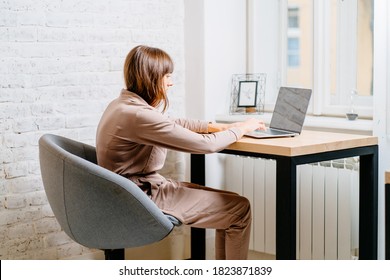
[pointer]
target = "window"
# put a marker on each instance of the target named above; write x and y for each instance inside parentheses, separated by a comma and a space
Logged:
(293, 43)
(350, 52)
(299, 44)
(293, 17)
(326, 45)
(293, 52)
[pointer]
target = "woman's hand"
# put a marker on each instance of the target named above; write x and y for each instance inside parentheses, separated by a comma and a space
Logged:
(250, 125)
(246, 126)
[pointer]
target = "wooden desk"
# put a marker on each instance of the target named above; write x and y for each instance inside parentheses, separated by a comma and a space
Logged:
(309, 147)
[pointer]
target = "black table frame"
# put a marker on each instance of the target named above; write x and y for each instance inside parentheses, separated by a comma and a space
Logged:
(286, 180)
(387, 221)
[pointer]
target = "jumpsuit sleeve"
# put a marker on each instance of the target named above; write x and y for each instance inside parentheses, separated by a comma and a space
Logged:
(154, 128)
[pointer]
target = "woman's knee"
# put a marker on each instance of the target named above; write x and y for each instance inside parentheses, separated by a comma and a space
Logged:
(245, 207)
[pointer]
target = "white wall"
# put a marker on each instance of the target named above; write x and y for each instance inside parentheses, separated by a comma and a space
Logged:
(215, 50)
(60, 64)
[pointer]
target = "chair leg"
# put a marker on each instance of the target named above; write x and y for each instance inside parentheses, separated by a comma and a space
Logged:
(114, 254)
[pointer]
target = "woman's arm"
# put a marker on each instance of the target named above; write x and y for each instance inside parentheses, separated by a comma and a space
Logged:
(150, 127)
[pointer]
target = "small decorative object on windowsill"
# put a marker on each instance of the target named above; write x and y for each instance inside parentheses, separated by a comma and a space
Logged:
(250, 110)
(352, 115)
(248, 93)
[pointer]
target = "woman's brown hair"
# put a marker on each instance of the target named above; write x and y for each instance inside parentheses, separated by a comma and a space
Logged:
(144, 70)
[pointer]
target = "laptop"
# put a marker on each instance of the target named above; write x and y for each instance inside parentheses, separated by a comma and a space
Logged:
(289, 114)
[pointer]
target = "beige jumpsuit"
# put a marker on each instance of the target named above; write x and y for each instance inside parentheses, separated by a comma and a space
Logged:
(132, 140)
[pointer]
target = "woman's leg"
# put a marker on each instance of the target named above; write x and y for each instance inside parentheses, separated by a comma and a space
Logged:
(203, 207)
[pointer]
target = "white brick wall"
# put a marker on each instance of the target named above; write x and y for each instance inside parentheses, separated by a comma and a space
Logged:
(60, 64)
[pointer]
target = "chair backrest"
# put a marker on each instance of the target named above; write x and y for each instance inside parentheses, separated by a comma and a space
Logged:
(96, 207)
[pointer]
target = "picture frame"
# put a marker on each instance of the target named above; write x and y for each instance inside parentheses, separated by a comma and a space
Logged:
(248, 93)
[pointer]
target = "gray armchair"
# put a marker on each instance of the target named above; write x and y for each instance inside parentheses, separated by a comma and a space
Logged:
(96, 207)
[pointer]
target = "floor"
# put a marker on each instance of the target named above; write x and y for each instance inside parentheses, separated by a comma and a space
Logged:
(253, 255)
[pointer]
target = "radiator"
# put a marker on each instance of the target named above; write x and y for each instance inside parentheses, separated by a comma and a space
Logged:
(327, 205)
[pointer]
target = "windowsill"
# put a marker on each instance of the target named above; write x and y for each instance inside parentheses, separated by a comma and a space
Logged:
(332, 124)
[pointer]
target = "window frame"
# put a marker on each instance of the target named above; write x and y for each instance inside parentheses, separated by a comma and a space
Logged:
(321, 104)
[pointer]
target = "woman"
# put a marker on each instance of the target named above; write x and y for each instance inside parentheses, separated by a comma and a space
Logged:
(132, 140)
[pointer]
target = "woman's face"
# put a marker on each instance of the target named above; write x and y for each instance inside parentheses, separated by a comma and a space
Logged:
(167, 81)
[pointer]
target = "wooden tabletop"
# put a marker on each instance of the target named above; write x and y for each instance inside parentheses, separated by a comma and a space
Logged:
(309, 142)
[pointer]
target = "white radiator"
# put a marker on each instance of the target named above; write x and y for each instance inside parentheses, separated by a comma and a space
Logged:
(327, 205)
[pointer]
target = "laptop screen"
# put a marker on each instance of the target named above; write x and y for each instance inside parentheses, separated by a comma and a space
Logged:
(290, 109)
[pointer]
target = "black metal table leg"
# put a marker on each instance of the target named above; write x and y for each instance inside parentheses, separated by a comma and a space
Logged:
(286, 175)
(368, 206)
(387, 221)
(198, 235)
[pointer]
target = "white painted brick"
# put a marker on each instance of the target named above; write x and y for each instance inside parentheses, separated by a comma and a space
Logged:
(87, 135)
(20, 5)
(19, 246)
(56, 239)
(10, 110)
(14, 170)
(6, 156)
(89, 254)
(31, 18)
(3, 233)
(44, 254)
(5, 126)
(27, 153)
(4, 35)
(50, 123)
(14, 216)
(110, 49)
(22, 34)
(24, 185)
(33, 168)
(61, 64)
(48, 94)
(29, 255)
(15, 140)
(8, 49)
(41, 80)
(13, 81)
(24, 230)
(68, 250)
(47, 211)
(37, 198)
(46, 225)
(4, 247)
(43, 50)
(39, 109)
(15, 202)
(3, 189)
(56, 35)
(58, 19)
(24, 125)
(82, 121)
(4, 217)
